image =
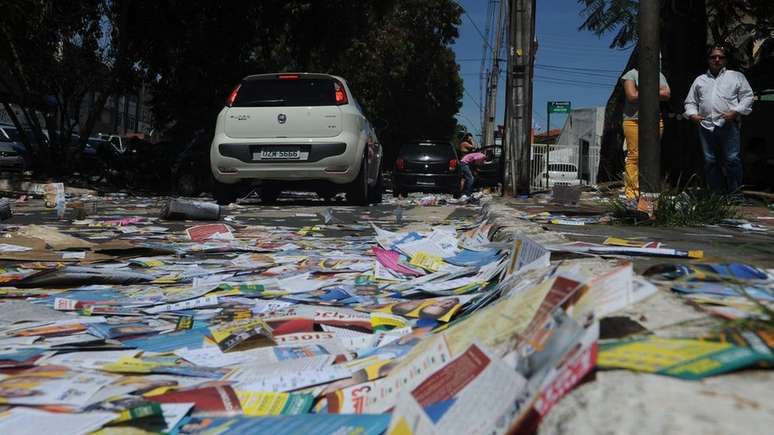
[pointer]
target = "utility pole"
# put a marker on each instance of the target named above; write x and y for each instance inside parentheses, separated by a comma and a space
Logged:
(490, 110)
(649, 143)
(521, 38)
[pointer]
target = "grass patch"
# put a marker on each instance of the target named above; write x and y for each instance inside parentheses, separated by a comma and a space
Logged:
(689, 206)
(694, 206)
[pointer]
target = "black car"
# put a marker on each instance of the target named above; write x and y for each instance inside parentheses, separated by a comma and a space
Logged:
(490, 174)
(14, 156)
(427, 166)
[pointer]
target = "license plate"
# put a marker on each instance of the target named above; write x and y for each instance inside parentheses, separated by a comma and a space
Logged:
(426, 182)
(280, 155)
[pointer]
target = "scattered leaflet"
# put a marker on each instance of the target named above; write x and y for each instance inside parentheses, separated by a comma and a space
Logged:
(26, 421)
(470, 394)
(242, 334)
(261, 403)
(682, 358)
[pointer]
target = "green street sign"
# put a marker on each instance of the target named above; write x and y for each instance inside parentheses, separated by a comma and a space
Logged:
(559, 107)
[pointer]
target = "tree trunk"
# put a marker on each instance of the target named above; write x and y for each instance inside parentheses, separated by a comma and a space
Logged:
(684, 36)
(684, 30)
(115, 79)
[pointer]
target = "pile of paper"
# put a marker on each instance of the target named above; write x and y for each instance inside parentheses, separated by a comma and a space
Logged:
(245, 328)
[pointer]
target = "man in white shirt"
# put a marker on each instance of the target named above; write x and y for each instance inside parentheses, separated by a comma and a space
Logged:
(716, 102)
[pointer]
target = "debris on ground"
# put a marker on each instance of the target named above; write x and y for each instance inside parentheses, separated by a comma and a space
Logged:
(120, 320)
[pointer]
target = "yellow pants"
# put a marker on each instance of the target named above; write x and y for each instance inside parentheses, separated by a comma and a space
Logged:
(632, 178)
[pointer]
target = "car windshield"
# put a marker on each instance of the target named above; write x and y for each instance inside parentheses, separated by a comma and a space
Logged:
(431, 148)
(301, 92)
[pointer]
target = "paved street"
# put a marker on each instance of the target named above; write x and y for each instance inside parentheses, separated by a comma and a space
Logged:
(283, 313)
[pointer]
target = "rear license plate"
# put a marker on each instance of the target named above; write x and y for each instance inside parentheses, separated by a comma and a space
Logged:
(425, 182)
(280, 155)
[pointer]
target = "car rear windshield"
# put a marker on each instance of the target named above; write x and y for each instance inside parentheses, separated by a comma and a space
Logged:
(433, 148)
(301, 92)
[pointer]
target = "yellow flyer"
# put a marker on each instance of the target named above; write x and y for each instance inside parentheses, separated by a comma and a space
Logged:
(264, 403)
(431, 263)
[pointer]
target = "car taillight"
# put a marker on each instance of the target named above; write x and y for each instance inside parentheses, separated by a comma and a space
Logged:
(288, 77)
(341, 94)
(400, 164)
(453, 163)
(233, 95)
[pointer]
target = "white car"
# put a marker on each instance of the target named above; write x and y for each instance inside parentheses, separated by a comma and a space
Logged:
(295, 131)
(559, 174)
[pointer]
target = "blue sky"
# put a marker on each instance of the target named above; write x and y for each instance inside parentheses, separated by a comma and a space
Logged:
(571, 65)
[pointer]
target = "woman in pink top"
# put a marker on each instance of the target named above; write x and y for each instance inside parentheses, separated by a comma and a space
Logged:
(474, 160)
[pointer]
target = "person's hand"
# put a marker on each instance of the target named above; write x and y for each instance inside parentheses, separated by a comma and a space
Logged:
(730, 116)
(696, 119)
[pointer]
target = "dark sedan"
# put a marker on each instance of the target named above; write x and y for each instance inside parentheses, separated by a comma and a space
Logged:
(14, 156)
(427, 166)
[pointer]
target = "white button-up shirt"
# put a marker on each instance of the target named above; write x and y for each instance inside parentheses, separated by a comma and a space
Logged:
(710, 96)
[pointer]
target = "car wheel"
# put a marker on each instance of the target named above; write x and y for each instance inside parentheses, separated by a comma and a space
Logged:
(375, 193)
(357, 193)
(397, 191)
(224, 194)
(186, 185)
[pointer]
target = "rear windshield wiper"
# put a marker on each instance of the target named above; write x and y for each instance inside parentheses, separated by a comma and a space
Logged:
(268, 102)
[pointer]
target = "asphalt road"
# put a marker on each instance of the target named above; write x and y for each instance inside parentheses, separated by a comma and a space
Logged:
(292, 211)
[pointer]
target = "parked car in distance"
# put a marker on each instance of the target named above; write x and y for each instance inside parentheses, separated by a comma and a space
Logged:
(295, 131)
(427, 166)
(93, 146)
(14, 156)
(490, 174)
(559, 174)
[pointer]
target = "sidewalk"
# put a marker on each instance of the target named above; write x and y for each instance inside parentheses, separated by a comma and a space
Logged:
(623, 401)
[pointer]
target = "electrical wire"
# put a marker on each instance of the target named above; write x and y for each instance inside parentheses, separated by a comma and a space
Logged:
(472, 98)
(481, 34)
(571, 83)
(478, 131)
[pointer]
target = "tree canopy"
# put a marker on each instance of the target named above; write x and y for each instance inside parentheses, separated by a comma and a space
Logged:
(395, 54)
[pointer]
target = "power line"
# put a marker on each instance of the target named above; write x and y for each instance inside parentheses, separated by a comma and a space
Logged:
(610, 76)
(574, 80)
(473, 124)
(572, 83)
(478, 59)
(471, 98)
(481, 34)
(579, 69)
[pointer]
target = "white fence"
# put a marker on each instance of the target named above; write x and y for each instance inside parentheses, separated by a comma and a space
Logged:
(566, 165)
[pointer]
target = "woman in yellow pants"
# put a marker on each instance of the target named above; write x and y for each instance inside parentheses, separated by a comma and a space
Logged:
(631, 128)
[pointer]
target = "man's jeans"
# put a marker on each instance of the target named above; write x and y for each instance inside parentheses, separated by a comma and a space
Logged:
(469, 180)
(723, 143)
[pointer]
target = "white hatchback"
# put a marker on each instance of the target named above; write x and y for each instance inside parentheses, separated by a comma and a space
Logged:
(295, 131)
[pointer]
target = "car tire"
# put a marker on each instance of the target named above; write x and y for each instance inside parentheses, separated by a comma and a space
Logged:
(395, 188)
(187, 185)
(357, 194)
(224, 194)
(375, 193)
